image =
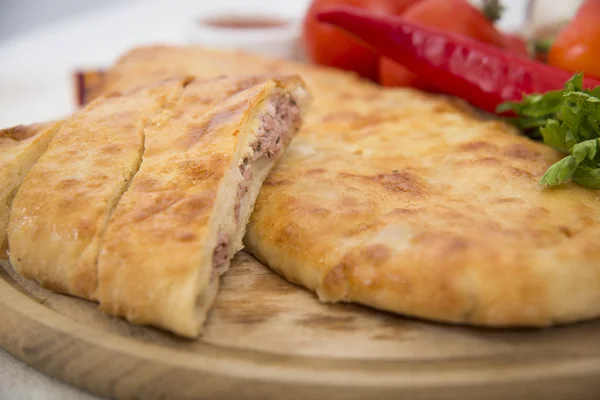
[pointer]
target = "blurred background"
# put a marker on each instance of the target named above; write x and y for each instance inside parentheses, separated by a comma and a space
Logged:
(19, 16)
(43, 41)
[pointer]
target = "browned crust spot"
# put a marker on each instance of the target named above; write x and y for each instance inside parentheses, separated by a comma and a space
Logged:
(198, 131)
(521, 173)
(19, 132)
(398, 182)
(404, 211)
(508, 200)
(478, 145)
(201, 172)
(335, 282)
(377, 253)
(277, 182)
(522, 152)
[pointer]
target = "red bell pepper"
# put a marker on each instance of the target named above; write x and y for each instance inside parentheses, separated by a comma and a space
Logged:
(483, 75)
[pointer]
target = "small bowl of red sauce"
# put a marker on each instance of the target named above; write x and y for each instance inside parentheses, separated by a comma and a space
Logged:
(268, 35)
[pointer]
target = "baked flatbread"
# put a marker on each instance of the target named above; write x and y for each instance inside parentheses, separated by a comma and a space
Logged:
(184, 215)
(20, 147)
(409, 203)
(61, 209)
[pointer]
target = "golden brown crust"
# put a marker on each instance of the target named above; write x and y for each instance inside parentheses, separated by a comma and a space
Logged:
(59, 214)
(449, 226)
(17, 134)
(20, 147)
(405, 202)
(156, 256)
(148, 64)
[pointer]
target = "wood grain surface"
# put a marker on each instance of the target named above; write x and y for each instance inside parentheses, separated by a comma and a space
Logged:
(268, 339)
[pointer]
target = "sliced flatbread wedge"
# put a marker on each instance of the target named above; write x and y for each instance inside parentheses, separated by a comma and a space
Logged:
(20, 148)
(61, 209)
(409, 203)
(183, 218)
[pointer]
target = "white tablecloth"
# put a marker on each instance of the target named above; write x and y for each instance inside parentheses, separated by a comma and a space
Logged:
(35, 85)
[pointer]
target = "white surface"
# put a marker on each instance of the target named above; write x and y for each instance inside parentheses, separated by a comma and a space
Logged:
(35, 85)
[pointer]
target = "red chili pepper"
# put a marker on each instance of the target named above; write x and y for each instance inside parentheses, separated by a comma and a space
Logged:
(483, 75)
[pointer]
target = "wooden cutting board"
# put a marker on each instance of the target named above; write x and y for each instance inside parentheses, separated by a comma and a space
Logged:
(268, 339)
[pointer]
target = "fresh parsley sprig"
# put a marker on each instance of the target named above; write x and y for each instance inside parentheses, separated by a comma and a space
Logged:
(569, 121)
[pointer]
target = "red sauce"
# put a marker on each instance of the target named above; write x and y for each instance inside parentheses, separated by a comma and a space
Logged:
(238, 22)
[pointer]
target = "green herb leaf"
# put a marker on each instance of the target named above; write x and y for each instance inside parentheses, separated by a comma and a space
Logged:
(594, 92)
(554, 136)
(575, 83)
(568, 120)
(559, 172)
(583, 150)
(535, 105)
(509, 106)
(587, 177)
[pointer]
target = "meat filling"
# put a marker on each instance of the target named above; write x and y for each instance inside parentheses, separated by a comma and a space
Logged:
(221, 251)
(271, 137)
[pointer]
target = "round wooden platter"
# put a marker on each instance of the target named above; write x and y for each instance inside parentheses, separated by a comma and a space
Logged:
(268, 339)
